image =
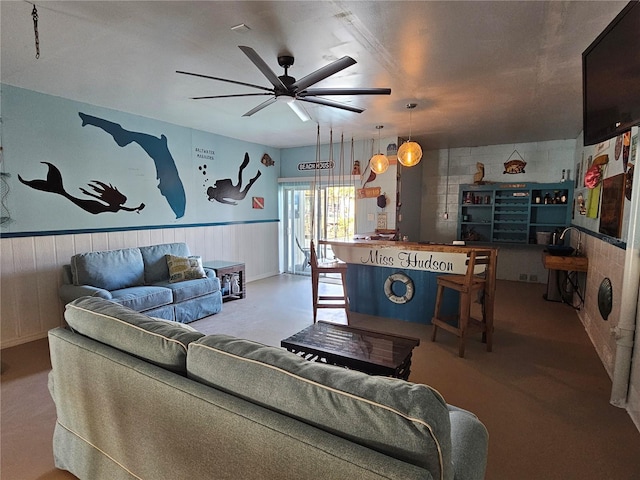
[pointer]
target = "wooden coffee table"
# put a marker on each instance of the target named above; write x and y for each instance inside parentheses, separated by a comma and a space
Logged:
(367, 351)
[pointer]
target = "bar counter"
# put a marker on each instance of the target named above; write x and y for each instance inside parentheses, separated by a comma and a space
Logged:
(398, 279)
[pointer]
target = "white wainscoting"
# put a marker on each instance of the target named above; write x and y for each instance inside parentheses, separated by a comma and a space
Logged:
(31, 267)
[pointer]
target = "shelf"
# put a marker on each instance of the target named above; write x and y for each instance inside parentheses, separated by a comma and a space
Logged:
(508, 213)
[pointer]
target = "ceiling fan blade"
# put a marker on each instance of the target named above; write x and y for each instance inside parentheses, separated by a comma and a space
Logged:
(331, 103)
(323, 73)
(263, 67)
(344, 91)
(231, 96)
(264, 104)
(299, 110)
(225, 80)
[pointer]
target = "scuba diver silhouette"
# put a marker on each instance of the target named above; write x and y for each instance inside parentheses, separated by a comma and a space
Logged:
(111, 200)
(224, 188)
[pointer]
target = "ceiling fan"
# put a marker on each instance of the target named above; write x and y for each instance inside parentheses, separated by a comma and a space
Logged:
(286, 88)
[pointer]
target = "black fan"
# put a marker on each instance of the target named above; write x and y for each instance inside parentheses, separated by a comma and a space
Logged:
(290, 90)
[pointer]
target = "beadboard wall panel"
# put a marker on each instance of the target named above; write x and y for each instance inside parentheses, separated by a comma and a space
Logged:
(31, 267)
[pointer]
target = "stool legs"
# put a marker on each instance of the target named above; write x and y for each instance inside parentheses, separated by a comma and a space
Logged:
(464, 320)
(339, 301)
(463, 323)
(437, 312)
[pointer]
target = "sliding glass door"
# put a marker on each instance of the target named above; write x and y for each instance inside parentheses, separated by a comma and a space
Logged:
(327, 214)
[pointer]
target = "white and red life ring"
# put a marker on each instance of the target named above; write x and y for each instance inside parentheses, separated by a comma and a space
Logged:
(404, 279)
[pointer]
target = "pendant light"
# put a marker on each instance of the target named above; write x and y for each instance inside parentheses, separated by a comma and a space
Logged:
(379, 162)
(409, 153)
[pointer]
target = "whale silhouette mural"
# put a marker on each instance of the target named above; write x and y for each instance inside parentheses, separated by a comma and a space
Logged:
(169, 183)
(225, 189)
(109, 199)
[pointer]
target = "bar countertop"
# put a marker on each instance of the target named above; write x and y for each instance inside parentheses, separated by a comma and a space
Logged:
(431, 257)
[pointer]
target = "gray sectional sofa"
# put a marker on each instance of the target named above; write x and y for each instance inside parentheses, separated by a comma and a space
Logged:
(139, 278)
(138, 398)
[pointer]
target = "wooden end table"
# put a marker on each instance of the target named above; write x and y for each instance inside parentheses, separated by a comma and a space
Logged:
(223, 268)
(367, 351)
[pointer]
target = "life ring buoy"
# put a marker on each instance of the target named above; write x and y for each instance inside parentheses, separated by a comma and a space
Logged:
(404, 279)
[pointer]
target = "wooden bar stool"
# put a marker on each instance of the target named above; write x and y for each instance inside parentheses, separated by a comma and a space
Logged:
(468, 285)
(328, 301)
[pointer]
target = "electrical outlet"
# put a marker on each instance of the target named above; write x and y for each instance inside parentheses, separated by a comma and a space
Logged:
(523, 277)
(370, 217)
(533, 278)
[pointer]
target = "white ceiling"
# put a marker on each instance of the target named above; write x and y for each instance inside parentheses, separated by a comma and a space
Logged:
(481, 73)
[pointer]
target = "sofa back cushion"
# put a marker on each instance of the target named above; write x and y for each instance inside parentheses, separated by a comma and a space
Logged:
(401, 419)
(155, 263)
(156, 341)
(111, 269)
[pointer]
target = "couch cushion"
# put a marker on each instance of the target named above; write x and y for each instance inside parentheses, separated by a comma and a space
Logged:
(401, 419)
(111, 269)
(155, 263)
(157, 342)
(184, 268)
(142, 298)
(189, 289)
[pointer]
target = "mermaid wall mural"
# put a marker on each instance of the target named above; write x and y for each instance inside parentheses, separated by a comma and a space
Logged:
(79, 167)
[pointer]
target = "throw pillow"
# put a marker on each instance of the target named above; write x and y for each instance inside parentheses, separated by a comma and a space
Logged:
(184, 268)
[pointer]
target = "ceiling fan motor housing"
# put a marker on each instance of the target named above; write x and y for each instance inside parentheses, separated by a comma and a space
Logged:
(285, 61)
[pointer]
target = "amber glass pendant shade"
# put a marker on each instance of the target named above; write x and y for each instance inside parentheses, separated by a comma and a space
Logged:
(379, 163)
(409, 154)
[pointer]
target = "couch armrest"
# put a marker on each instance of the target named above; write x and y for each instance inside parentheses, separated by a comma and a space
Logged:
(69, 293)
(470, 444)
(210, 272)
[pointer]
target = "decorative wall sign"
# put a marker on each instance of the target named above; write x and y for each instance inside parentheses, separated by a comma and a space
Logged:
(258, 202)
(612, 203)
(514, 166)
(392, 256)
(328, 165)
(369, 192)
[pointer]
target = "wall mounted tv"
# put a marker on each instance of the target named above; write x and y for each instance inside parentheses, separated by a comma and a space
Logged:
(611, 78)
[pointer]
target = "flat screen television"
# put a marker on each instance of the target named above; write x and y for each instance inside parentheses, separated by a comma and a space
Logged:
(611, 78)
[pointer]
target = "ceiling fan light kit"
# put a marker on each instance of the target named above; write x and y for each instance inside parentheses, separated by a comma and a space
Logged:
(409, 153)
(379, 162)
(288, 88)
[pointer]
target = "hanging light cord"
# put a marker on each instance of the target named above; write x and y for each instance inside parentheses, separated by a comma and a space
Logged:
(446, 193)
(34, 14)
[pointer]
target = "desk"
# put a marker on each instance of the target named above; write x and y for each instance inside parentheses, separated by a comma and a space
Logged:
(224, 268)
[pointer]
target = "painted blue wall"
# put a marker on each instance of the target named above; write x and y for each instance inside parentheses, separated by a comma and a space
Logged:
(42, 134)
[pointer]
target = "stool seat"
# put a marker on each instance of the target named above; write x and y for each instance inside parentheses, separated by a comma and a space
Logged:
(468, 284)
(327, 301)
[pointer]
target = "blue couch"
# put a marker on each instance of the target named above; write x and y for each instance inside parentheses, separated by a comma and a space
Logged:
(147, 399)
(139, 278)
